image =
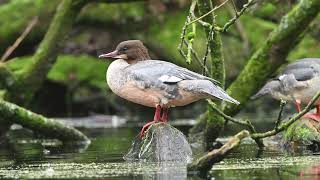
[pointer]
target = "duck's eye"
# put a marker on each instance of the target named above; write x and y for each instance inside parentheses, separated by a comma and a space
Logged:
(124, 49)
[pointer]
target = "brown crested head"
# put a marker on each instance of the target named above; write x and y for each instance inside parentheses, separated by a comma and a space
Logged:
(131, 51)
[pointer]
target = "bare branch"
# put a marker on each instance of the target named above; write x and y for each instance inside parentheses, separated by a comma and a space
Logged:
(237, 15)
(195, 55)
(229, 118)
(206, 14)
(204, 163)
(28, 29)
(282, 104)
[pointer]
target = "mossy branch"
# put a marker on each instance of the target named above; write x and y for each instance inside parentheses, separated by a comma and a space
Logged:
(285, 125)
(11, 113)
(21, 89)
(46, 54)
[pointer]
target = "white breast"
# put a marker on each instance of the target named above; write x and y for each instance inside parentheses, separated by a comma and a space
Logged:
(122, 85)
(115, 75)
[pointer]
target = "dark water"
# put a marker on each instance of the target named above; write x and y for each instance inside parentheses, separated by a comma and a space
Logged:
(23, 156)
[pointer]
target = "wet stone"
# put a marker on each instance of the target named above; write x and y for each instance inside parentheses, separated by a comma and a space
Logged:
(162, 142)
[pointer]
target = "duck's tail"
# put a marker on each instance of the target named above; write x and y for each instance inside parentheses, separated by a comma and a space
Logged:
(218, 92)
(214, 91)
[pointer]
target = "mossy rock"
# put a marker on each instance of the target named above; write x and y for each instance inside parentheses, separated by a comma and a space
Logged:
(303, 132)
(162, 142)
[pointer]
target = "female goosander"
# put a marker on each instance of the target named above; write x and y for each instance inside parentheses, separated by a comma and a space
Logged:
(298, 82)
(154, 83)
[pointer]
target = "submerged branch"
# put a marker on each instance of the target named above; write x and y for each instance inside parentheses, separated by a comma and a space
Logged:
(205, 163)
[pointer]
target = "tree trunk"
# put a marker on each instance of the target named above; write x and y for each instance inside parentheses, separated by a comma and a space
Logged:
(215, 122)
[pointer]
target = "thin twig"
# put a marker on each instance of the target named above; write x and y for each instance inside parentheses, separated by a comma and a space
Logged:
(184, 30)
(232, 10)
(183, 34)
(282, 104)
(234, 6)
(206, 14)
(237, 15)
(191, 36)
(195, 55)
(28, 29)
(234, 120)
(204, 59)
(193, 16)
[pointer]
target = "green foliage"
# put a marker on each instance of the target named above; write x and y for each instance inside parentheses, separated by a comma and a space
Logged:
(103, 12)
(16, 14)
(309, 47)
(88, 70)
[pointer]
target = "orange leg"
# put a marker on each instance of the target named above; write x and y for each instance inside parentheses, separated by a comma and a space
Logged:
(298, 105)
(314, 116)
(165, 112)
(156, 119)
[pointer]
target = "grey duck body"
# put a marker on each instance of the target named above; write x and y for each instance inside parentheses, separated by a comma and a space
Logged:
(154, 82)
(298, 82)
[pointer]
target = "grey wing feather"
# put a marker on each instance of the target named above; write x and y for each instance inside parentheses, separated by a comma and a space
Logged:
(161, 74)
(303, 63)
(304, 69)
(165, 71)
(302, 74)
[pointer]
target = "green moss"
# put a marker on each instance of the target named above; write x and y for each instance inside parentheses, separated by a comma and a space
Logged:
(11, 113)
(80, 68)
(297, 132)
(68, 68)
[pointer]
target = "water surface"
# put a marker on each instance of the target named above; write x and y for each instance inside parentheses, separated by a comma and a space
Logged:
(23, 156)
